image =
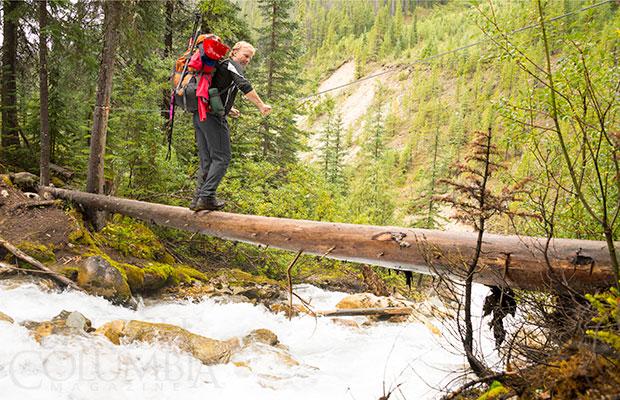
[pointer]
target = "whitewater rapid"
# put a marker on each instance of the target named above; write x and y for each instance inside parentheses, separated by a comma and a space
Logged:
(336, 362)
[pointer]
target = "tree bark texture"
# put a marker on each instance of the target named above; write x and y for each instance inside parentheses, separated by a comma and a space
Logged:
(95, 180)
(10, 126)
(515, 261)
(44, 176)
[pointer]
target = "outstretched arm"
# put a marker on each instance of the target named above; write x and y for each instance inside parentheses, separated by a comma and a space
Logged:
(264, 109)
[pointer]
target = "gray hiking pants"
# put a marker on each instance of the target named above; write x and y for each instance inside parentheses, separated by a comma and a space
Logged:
(213, 141)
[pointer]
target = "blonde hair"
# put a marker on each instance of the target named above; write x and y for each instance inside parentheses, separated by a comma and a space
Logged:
(240, 45)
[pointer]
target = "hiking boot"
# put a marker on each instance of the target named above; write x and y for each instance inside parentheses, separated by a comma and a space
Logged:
(208, 203)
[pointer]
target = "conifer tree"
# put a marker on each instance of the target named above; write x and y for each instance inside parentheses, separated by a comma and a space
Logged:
(280, 50)
(10, 127)
(336, 176)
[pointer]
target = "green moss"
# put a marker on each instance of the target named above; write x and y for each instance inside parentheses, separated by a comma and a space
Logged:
(81, 235)
(160, 269)
(57, 182)
(38, 251)
(186, 274)
(6, 180)
(158, 275)
(496, 390)
(132, 238)
(135, 277)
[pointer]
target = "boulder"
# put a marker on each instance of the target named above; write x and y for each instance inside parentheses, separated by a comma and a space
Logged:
(284, 308)
(260, 293)
(97, 276)
(261, 336)
(6, 318)
(26, 181)
(209, 351)
(66, 323)
(268, 359)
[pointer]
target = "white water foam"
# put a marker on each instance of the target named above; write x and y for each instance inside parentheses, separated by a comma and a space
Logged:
(337, 362)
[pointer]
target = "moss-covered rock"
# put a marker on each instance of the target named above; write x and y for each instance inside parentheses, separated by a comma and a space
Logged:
(100, 278)
(38, 251)
(135, 277)
(158, 275)
(57, 181)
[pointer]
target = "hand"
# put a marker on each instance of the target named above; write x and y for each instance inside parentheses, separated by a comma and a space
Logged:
(265, 110)
(234, 113)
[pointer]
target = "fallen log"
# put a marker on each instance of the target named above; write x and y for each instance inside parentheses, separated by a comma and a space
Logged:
(515, 261)
(65, 172)
(354, 312)
(62, 280)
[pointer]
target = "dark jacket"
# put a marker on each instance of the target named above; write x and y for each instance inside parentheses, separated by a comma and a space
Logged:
(229, 79)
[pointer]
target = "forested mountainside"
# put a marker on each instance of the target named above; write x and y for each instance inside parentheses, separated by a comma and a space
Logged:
(445, 70)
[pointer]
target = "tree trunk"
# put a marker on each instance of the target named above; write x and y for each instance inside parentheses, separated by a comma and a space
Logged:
(10, 126)
(165, 104)
(44, 177)
(95, 180)
(515, 261)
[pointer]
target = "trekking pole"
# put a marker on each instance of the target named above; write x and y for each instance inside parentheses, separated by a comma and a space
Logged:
(192, 46)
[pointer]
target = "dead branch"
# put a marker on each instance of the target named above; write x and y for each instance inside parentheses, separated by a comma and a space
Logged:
(353, 312)
(64, 281)
(290, 284)
(33, 204)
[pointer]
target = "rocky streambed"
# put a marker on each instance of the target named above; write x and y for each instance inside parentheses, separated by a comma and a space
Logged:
(206, 346)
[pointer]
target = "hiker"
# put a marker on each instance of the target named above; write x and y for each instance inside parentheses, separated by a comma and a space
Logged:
(212, 134)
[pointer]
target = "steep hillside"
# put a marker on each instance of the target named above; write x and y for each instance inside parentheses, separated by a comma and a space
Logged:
(431, 103)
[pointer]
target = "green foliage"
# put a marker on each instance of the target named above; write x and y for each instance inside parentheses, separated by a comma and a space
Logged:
(496, 390)
(607, 320)
(291, 191)
(280, 48)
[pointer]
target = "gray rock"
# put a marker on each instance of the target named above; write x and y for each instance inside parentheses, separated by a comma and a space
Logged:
(25, 181)
(97, 276)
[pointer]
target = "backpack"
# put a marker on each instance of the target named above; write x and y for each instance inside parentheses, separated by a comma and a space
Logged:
(210, 49)
(186, 77)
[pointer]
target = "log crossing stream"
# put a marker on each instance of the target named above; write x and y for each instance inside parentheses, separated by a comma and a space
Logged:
(515, 261)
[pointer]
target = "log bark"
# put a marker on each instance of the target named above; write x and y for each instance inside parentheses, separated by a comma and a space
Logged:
(64, 281)
(514, 261)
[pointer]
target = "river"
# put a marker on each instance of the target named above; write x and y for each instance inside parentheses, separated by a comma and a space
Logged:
(336, 362)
